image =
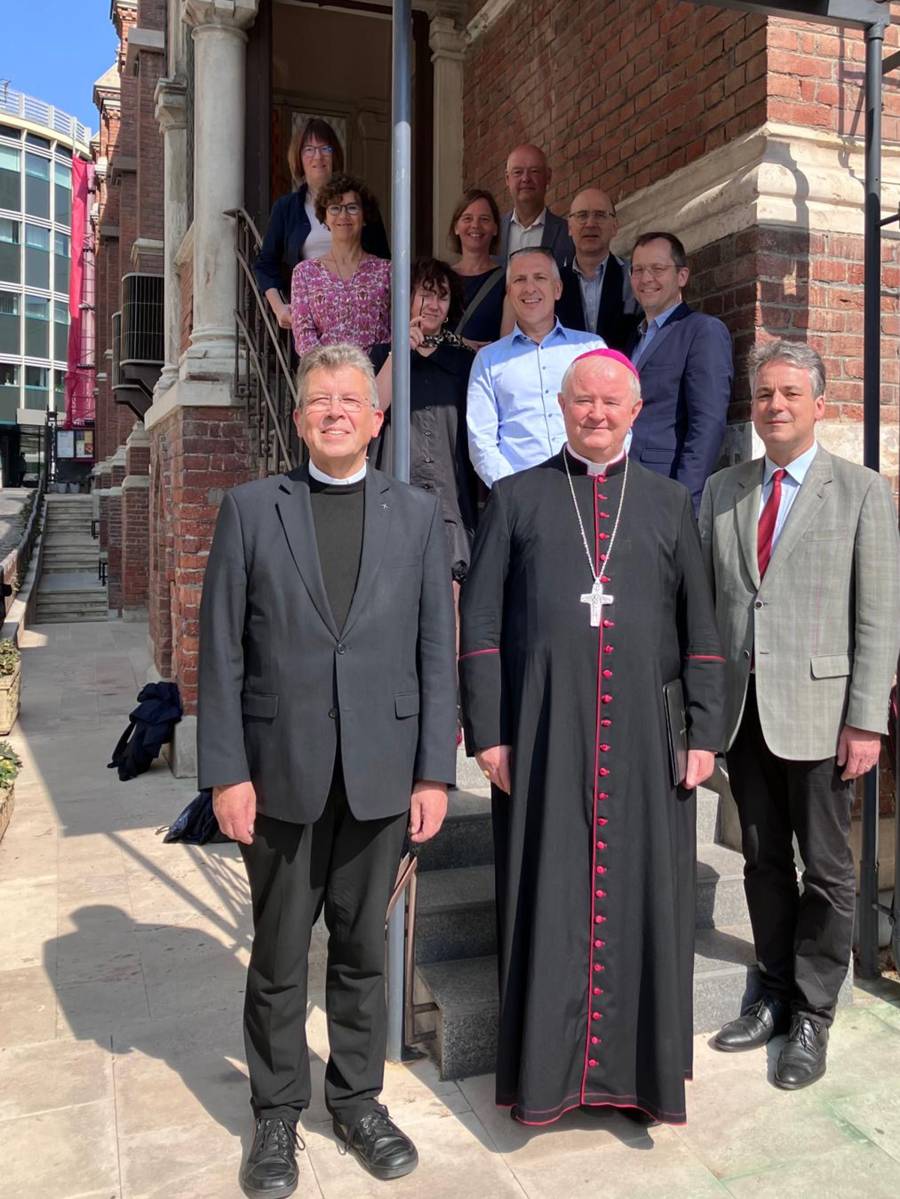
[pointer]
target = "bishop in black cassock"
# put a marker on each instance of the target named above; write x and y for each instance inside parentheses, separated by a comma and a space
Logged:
(586, 595)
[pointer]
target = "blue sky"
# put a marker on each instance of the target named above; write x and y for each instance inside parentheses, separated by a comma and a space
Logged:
(55, 49)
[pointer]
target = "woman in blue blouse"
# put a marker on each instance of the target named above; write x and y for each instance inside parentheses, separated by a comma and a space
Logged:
(294, 234)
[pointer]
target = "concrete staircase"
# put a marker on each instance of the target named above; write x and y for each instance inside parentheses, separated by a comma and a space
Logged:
(69, 588)
(456, 941)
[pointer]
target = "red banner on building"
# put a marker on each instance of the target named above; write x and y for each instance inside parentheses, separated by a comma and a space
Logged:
(80, 368)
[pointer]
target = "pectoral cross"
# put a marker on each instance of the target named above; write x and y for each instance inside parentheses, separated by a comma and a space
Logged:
(596, 598)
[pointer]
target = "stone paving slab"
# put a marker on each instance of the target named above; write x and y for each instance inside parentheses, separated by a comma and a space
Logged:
(122, 964)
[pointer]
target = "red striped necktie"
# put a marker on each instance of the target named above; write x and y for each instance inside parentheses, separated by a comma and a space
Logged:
(766, 529)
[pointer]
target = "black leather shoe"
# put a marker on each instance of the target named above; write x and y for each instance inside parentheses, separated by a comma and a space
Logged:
(802, 1060)
(270, 1171)
(761, 1022)
(378, 1144)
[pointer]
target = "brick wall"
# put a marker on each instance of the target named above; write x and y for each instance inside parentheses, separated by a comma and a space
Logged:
(677, 81)
(196, 455)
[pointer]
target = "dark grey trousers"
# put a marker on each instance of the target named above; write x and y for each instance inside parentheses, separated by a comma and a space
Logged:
(803, 938)
(347, 867)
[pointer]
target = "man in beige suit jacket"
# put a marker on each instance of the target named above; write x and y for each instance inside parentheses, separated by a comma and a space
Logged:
(803, 553)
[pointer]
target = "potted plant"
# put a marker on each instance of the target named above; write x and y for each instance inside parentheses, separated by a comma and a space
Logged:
(10, 764)
(10, 680)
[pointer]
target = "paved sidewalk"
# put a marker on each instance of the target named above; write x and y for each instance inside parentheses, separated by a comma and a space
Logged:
(121, 974)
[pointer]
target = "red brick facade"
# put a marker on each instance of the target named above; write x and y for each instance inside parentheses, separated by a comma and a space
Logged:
(130, 234)
(197, 454)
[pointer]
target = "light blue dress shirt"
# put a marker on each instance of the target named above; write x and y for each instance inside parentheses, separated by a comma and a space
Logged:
(649, 330)
(512, 409)
(790, 486)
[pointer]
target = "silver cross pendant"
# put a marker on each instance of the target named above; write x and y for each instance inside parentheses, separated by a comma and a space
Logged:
(597, 598)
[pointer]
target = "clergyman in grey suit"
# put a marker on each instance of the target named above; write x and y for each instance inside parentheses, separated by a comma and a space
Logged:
(531, 223)
(803, 552)
(326, 728)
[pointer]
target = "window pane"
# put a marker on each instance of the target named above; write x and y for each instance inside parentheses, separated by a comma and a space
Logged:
(37, 185)
(61, 244)
(9, 392)
(10, 180)
(34, 140)
(36, 376)
(9, 323)
(10, 159)
(61, 267)
(37, 258)
(59, 383)
(37, 327)
(60, 331)
(10, 254)
(9, 375)
(8, 131)
(62, 177)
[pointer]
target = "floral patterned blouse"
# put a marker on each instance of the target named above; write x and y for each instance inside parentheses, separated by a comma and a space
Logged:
(326, 309)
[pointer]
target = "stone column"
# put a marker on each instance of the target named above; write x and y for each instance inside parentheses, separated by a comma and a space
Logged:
(170, 113)
(135, 524)
(448, 50)
(219, 77)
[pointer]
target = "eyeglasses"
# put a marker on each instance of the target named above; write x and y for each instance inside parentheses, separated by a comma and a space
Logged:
(351, 209)
(637, 272)
(582, 216)
(349, 405)
(310, 151)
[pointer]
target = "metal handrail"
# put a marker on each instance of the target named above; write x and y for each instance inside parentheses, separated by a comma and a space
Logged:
(263, 374)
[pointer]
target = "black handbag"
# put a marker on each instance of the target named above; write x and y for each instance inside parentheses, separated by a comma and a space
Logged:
(197, 824)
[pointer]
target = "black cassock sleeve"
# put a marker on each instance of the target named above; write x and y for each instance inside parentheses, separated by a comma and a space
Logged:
(702, 663)
(481, 624)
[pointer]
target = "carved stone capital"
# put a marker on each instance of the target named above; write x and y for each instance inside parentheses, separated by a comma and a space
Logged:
(169, 99)
(446, 39)
(236, 15)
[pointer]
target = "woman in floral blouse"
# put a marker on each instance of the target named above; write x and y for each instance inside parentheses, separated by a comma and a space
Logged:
(346, 294)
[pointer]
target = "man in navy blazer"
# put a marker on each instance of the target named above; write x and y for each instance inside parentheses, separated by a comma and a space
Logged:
(686, 366)
(531, 223)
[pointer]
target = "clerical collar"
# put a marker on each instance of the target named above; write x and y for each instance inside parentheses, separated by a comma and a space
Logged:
(321, 477)
(596, 468)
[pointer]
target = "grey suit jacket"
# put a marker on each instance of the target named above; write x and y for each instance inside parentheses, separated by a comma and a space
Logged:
(824, 624)
(280, 685)
(556, 237)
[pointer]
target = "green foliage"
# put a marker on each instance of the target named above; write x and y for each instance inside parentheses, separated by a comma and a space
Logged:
(10, 764)
(10, 657)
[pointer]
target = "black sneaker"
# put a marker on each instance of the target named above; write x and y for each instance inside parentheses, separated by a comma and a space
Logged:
(270, 1171)
(378, 1144)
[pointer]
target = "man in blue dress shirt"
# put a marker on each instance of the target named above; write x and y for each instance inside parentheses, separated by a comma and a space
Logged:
(513, 416)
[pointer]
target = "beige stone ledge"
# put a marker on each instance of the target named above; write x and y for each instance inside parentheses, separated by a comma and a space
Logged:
(191, 393)
(776, 175)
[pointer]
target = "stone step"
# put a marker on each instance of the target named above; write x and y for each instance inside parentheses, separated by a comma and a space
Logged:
(465, 992)
(455, 914)
(76, 616)
(466, 838)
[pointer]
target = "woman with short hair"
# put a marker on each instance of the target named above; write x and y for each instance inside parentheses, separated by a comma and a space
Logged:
(295, 233)
(346, 294)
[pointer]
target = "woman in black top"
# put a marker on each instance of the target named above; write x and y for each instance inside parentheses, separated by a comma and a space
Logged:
(439, 453)
(475, 235)
(294, 233)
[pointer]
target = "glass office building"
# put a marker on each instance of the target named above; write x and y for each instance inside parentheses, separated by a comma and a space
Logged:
(37, 143)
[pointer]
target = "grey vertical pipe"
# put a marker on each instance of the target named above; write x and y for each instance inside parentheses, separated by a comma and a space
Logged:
(401, 221)
(867, 930)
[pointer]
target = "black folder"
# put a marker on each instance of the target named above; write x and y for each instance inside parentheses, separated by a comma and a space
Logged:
(676, 729)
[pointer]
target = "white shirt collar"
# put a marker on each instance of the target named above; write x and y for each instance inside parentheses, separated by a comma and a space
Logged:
(598, 273)
(594, 468)
(796, 469)
(321, 477)
(537, 223)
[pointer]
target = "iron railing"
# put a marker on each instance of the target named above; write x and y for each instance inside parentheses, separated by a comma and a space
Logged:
(143, 335)
(263, 371)
(29, 108)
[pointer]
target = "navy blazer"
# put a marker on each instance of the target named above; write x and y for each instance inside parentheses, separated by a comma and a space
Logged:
(686, 376)
(556, 237)
(288, 229)
(619, 313)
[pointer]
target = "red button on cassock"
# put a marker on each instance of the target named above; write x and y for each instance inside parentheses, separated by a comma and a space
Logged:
(598, 990)
(595, 1040)
(603, 536)
(605, 722)
(605, 579)
(604, 515)
(603, 795)
(607, 674)
(598, 919)
(599, 944)
(607, 649)
(592, 1062)
(601, 870)
(598, 969)
(603, 772)
(609, 624)
(600, 894)
(606, 699)
(596, 1016)
(603, 557)
(602, 820)
(604, 747)
(601, 845)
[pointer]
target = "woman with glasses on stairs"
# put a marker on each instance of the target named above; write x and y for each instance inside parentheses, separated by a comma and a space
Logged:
(294, 233)
(344, 296)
